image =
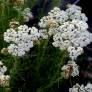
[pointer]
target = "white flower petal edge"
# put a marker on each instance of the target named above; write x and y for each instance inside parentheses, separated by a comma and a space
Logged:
(81, 88)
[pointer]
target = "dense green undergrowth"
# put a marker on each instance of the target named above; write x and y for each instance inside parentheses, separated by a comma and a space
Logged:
(39, 71)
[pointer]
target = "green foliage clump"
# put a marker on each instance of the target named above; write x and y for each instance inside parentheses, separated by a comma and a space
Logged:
(38, 71)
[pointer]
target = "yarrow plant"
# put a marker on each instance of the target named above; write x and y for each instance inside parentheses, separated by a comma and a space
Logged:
(68, 30)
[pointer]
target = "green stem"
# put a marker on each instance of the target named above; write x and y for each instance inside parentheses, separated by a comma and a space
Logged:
(16, 59)
(56, 3)
(42, 54)
(70, 81)
(49, 85)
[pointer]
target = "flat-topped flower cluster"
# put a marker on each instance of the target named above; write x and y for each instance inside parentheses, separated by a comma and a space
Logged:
(69, 29)
(21, 39)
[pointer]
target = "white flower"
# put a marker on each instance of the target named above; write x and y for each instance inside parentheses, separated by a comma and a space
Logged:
(9, 34)
(72, 34)
(21, 40)
(27, 14)
(59, 15)
(3, 68)
(75, 7)
(73, 90)
(4, 80)
(74, 12)
(80, 25)
(82, 88)
(43, 33)
(71, 69)
(75, 52)
(88, 87)
(56, 44)
(42, 24)
(35, 34)
(77, 88)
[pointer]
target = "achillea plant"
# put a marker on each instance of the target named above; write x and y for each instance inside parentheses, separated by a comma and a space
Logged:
(41, 57)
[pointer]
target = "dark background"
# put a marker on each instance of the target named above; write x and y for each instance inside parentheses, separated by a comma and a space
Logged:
(87, 9)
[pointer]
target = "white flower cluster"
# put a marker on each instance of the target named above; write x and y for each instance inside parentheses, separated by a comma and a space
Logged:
(27, 14)
(57, 17)
(43, 33)
(3, 78)
(74, 12)
(75, 52)
(3, 68)
(72, 36)
(82, 88)
(69, 29)
(77, 88)
(54, 18)
(21, 39)
(71, 69)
